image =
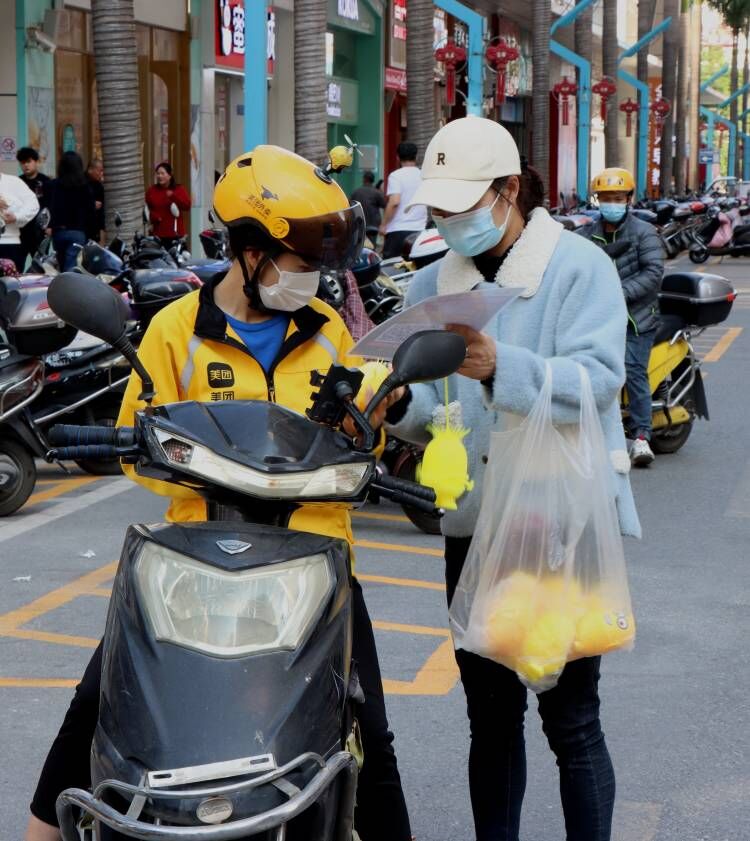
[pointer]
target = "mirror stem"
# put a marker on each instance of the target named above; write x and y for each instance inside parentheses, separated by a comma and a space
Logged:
(389, 384)
(124, 345)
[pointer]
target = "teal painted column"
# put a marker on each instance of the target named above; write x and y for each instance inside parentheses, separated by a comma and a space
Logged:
(255, 125)
(199, 201)
(370, 74)
(475, 61)
(21, 110)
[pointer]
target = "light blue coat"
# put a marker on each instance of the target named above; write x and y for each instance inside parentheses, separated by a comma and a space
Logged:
(571, 311)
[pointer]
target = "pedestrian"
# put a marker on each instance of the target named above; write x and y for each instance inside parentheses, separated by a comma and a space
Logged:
(641, 270)
(372, 201)
(160, 197)
(72, 210)
(489, 208)
(263, 321)
(402, 217)
(95, 176)
(18, 206)
(31, 233)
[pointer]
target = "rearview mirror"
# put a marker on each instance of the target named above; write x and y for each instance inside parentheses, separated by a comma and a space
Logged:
(43, 218)
(211, 217)
(89, 305)
(118, 219)
(174, 210)
(146, 214)
(425, 356)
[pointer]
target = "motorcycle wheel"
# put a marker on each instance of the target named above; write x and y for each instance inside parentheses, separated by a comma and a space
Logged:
(21, 468)
(698, 254)
(670, 439)
(406, 468)
(103, 416)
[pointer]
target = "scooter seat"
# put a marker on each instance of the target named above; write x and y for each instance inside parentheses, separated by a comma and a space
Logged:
(668, 326)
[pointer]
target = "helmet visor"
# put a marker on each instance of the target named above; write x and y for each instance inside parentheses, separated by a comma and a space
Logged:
(331, 241)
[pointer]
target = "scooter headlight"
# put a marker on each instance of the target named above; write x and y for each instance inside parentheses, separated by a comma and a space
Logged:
(231, 614)
(344, 480)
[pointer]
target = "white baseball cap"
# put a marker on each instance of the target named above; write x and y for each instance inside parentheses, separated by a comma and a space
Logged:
(461, 162)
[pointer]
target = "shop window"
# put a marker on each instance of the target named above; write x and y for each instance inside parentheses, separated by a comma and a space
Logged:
(73, 31)
(160, 144)
(71, 102)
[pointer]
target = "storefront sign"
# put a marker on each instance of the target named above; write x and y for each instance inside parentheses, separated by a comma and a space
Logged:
(397, 34)
(654, 143)
(341, 100)
(395, 79)
(351, 14)
(230, 35)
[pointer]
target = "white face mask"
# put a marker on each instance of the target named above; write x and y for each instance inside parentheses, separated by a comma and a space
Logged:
(293, 290)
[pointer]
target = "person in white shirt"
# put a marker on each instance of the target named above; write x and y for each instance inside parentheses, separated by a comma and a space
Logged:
(398, 222)
(18, 206)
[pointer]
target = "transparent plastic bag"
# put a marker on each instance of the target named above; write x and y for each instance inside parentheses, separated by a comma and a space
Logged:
(544, 581)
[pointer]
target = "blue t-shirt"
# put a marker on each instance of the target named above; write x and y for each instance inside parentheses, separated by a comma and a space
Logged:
(264, 338)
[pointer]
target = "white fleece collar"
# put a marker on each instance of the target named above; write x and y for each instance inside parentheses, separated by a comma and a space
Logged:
(523, 268)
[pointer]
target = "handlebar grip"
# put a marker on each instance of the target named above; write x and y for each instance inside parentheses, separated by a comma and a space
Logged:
(78, 436)
(101, 451)
(402, 498)
(411, 488)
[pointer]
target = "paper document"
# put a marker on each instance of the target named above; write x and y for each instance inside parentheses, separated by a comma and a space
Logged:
(471, 309)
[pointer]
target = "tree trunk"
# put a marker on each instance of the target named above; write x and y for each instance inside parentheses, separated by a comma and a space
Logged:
(115, 59)
(420, 76)
(540, 103)
(733, 85)
(646, 11)
(681, 105)
(694, 96)
(310, 119)
(669, 91)
(745, 80)
(584, 46)
(610, 52)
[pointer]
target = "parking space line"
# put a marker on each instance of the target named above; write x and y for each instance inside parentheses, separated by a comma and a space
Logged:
(62, 486)
(438, 676)
(402, 582)
(419, 630)
(369, 515)
(51, 637)
(723, 345)
(399, 547)
(42, 683)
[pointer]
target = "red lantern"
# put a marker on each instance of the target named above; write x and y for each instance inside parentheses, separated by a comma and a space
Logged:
(629, 108)
(562, 91)
(605, 88)
(451, 55)
(499, 56)
(721, 128)
(660, 108)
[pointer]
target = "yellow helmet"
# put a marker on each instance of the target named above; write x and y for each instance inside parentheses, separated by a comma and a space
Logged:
(280, 199)
(614, 179)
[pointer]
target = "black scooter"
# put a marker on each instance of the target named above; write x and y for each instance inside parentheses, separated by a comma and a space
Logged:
(228, 691)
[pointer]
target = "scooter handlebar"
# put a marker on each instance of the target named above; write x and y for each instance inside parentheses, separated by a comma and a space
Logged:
(72, 437)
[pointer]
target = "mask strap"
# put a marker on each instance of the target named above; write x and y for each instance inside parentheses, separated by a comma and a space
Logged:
(250, 286)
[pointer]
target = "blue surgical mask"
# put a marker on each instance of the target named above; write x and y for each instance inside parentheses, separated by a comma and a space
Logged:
(473, 232)
(612, 212)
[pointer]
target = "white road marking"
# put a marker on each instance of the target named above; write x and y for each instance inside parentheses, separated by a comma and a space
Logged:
(64, 508)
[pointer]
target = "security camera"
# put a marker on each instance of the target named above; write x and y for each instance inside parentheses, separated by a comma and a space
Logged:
(38, 38)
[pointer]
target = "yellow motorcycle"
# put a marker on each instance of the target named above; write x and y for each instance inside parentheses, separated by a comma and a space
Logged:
(688, 303)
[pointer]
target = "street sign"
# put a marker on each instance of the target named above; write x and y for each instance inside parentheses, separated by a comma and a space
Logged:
(706, 156)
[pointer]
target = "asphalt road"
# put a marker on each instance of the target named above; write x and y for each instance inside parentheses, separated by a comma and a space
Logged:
(675, 711)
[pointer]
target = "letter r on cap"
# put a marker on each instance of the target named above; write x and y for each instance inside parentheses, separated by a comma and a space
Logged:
(440, 159)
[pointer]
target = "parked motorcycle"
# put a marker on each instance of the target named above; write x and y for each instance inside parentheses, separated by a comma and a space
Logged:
(239, 606)
(734, 243)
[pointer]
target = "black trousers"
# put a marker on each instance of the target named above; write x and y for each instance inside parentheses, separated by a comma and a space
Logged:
(496, 705)
(394, 242)
(381, 809)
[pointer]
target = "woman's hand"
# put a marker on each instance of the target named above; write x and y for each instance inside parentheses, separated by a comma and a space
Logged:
(481, 353)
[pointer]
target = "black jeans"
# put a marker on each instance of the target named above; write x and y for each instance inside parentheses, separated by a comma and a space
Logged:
(496, 703)
(394, 242)
(381, 809)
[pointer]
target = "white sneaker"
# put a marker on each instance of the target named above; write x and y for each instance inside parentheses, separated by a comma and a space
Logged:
(641, 454)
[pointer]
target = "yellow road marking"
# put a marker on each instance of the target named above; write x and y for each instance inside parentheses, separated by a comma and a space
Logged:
(45, 682)
(437, 676)
(723, 345)
(402, 582)
(399, 547)
(52, 637)
(61, 488)
(391, 518)
(11, 623)
(420, 630)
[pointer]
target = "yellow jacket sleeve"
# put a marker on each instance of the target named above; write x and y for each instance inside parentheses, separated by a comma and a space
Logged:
(157, 354)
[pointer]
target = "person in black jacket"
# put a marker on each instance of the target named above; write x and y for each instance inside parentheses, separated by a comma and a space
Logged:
(641, 269)
(31, 233)
(95, 178)
(72, 208)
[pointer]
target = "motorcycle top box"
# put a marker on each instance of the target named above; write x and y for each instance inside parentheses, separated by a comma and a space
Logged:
(25, 316)
(153, 289)
(699, 299)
